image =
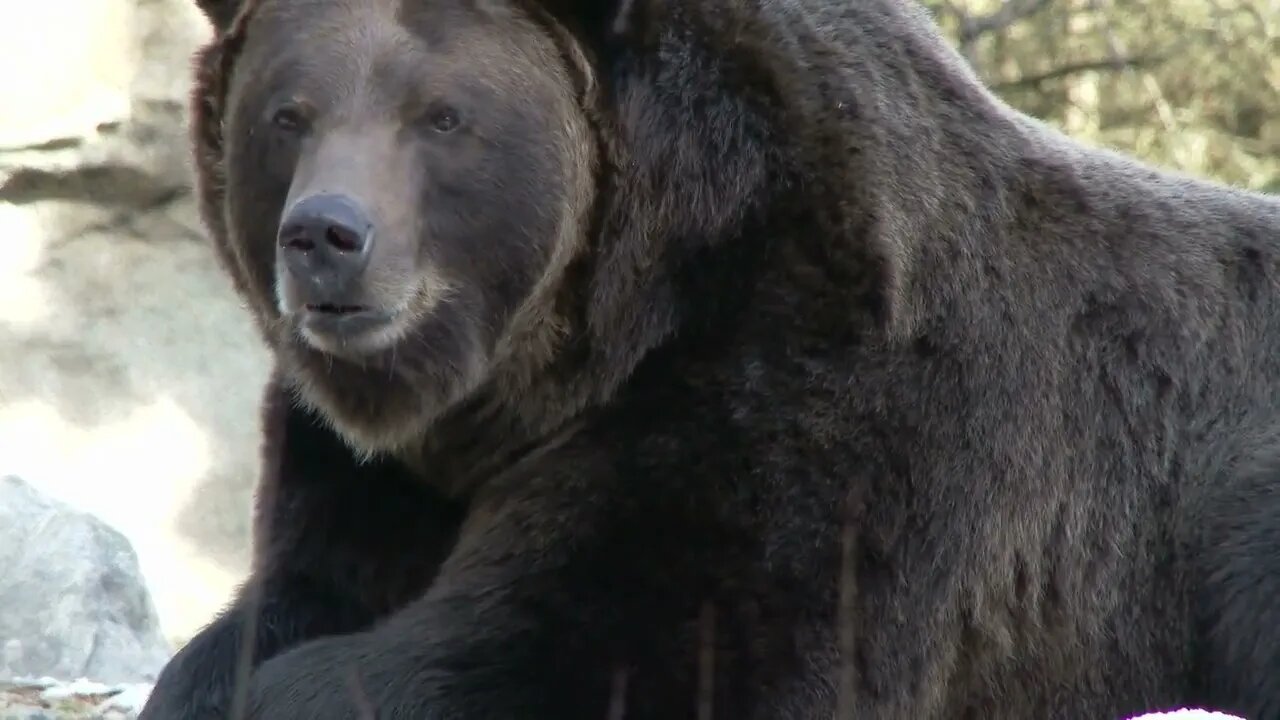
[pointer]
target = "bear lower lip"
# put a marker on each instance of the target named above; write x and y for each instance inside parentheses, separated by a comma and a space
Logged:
(343, 322)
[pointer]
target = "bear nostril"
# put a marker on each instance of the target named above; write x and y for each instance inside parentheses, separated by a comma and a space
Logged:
(343, 239)
(301, 243)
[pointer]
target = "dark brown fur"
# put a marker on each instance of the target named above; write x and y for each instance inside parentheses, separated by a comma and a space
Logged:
(812, 276)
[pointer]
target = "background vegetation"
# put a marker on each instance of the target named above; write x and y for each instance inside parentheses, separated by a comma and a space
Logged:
(1192, 85)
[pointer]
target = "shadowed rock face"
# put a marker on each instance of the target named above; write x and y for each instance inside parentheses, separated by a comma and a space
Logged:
(129, 375)
(75, 603)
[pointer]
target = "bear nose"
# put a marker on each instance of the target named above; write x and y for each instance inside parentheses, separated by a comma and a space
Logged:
(325, 240)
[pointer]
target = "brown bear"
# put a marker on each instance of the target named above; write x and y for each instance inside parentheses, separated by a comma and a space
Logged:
(735, 359)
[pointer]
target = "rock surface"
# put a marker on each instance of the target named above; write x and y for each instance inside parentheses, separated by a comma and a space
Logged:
(48, 699)
(129, 373)
(75, 603)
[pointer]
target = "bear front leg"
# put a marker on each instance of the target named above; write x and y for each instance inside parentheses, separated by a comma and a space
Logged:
(524, 620)
(337, 543)
(201, 681)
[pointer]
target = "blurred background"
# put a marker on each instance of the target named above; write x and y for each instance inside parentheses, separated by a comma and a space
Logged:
(1192, 85)
(129, 373)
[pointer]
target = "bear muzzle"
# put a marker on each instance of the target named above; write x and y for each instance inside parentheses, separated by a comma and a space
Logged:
(324, 245)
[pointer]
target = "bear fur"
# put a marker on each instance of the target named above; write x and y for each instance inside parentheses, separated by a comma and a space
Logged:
(843, 389)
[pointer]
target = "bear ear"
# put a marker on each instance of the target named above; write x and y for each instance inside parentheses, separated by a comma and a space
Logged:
(220, 12)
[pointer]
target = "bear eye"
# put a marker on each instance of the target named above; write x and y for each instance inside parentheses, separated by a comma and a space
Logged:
(289, 118)
(443, 119)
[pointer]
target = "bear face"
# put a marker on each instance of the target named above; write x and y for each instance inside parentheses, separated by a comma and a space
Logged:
(402, 191)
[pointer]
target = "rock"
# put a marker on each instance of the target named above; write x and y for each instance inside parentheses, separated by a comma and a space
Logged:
(75, 604)
(76, 78)
(49, 699)
(130, 374)
(105, 119)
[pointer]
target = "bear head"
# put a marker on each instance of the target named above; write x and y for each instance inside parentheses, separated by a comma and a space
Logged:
(412, 196)
(399, 189)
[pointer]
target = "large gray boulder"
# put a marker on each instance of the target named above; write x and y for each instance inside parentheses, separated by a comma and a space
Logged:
(72, 599)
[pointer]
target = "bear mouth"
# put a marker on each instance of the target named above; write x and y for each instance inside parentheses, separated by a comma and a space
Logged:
(334, 309)
(351, 331)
